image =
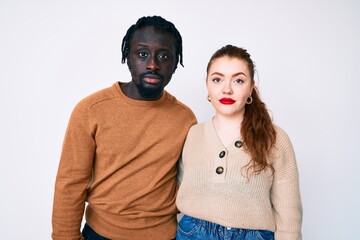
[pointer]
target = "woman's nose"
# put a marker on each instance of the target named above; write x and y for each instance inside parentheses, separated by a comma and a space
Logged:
(227, 88)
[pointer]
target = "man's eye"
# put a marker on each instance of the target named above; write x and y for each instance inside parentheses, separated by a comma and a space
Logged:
(142, 54)
(163, 56)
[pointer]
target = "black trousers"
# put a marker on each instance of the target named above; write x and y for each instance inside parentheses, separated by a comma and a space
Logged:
(89, 234)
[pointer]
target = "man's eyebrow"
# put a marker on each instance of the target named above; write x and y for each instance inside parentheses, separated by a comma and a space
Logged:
(147, 45)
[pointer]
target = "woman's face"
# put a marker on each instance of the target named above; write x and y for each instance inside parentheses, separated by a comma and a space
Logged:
(229, 85)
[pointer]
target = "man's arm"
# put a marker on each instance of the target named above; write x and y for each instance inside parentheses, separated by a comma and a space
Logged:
(73, 177)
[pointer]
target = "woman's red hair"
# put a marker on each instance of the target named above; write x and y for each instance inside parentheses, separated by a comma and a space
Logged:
(257, 130)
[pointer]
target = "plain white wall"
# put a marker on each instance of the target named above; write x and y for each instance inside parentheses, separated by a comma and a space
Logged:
(54, 53)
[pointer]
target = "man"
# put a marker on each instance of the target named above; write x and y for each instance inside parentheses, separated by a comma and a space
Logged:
(122, 145)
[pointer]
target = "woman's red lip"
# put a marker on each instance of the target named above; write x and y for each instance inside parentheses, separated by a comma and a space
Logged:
(227, 101)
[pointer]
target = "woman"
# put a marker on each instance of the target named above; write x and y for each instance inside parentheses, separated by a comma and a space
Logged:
(238, 174)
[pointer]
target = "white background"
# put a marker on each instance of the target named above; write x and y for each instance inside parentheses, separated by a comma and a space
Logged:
(54, 53)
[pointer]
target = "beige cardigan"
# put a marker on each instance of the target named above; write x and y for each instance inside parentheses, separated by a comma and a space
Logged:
(262, 202)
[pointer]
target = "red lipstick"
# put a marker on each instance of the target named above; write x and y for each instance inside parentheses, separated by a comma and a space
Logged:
(227, 101)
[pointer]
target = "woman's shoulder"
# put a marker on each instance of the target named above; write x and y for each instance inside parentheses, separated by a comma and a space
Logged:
(198, 132)
(281, 135)
(196, 129)
(200, 128)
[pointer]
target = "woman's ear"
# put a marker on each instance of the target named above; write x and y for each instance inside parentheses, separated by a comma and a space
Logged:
(252, 87)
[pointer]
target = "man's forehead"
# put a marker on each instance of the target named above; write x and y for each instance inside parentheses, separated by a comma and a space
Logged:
(148, 34)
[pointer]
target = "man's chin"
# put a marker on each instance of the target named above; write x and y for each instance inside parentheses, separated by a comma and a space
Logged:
(150, 92)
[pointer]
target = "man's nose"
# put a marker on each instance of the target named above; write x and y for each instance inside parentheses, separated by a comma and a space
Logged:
(152, 64)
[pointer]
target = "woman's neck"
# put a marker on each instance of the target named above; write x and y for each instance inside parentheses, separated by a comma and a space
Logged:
(227, 128)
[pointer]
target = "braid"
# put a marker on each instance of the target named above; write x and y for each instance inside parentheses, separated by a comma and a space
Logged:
(160, 24)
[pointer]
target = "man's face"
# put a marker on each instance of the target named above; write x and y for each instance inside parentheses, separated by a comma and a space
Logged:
(152, 61)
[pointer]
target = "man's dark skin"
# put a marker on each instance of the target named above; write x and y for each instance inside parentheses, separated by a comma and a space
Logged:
(152, 62)
(122, 144)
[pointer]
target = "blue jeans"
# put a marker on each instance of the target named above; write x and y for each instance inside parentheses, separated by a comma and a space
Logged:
(89, 234)
(190, 228)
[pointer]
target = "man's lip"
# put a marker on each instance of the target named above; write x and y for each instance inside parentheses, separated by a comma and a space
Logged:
(227, 101)
(151, 78)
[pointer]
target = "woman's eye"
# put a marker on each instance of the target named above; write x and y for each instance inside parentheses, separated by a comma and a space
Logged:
(239, 81)
(216, 80)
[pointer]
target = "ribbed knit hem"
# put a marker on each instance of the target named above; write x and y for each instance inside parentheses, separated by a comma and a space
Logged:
(112, 230)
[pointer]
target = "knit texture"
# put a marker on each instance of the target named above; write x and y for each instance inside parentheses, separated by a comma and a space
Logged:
(262, 202)
(120, 156)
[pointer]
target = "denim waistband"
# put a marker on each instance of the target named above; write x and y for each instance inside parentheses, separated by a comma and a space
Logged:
(194, 228)
(213, 227)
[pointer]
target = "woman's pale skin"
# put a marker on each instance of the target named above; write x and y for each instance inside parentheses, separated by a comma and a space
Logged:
(229, 85)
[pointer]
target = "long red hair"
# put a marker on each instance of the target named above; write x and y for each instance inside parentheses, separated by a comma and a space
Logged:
(257, 130)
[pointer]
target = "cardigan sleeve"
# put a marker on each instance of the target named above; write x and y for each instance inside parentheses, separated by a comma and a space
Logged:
(74, 175)
(285, 192)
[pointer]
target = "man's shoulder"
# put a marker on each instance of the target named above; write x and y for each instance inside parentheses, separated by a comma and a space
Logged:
(181, 109)
(99, 96)
(177, 103)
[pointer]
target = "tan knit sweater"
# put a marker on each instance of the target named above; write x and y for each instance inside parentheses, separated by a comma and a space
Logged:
(120, 156)
(263, 202)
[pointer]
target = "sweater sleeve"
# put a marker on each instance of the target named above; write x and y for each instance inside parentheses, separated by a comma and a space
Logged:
(74, 174)
(180, 169)
(285, 192)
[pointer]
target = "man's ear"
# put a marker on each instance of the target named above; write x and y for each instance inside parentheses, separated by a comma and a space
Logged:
(128, 63)
(176, 65)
